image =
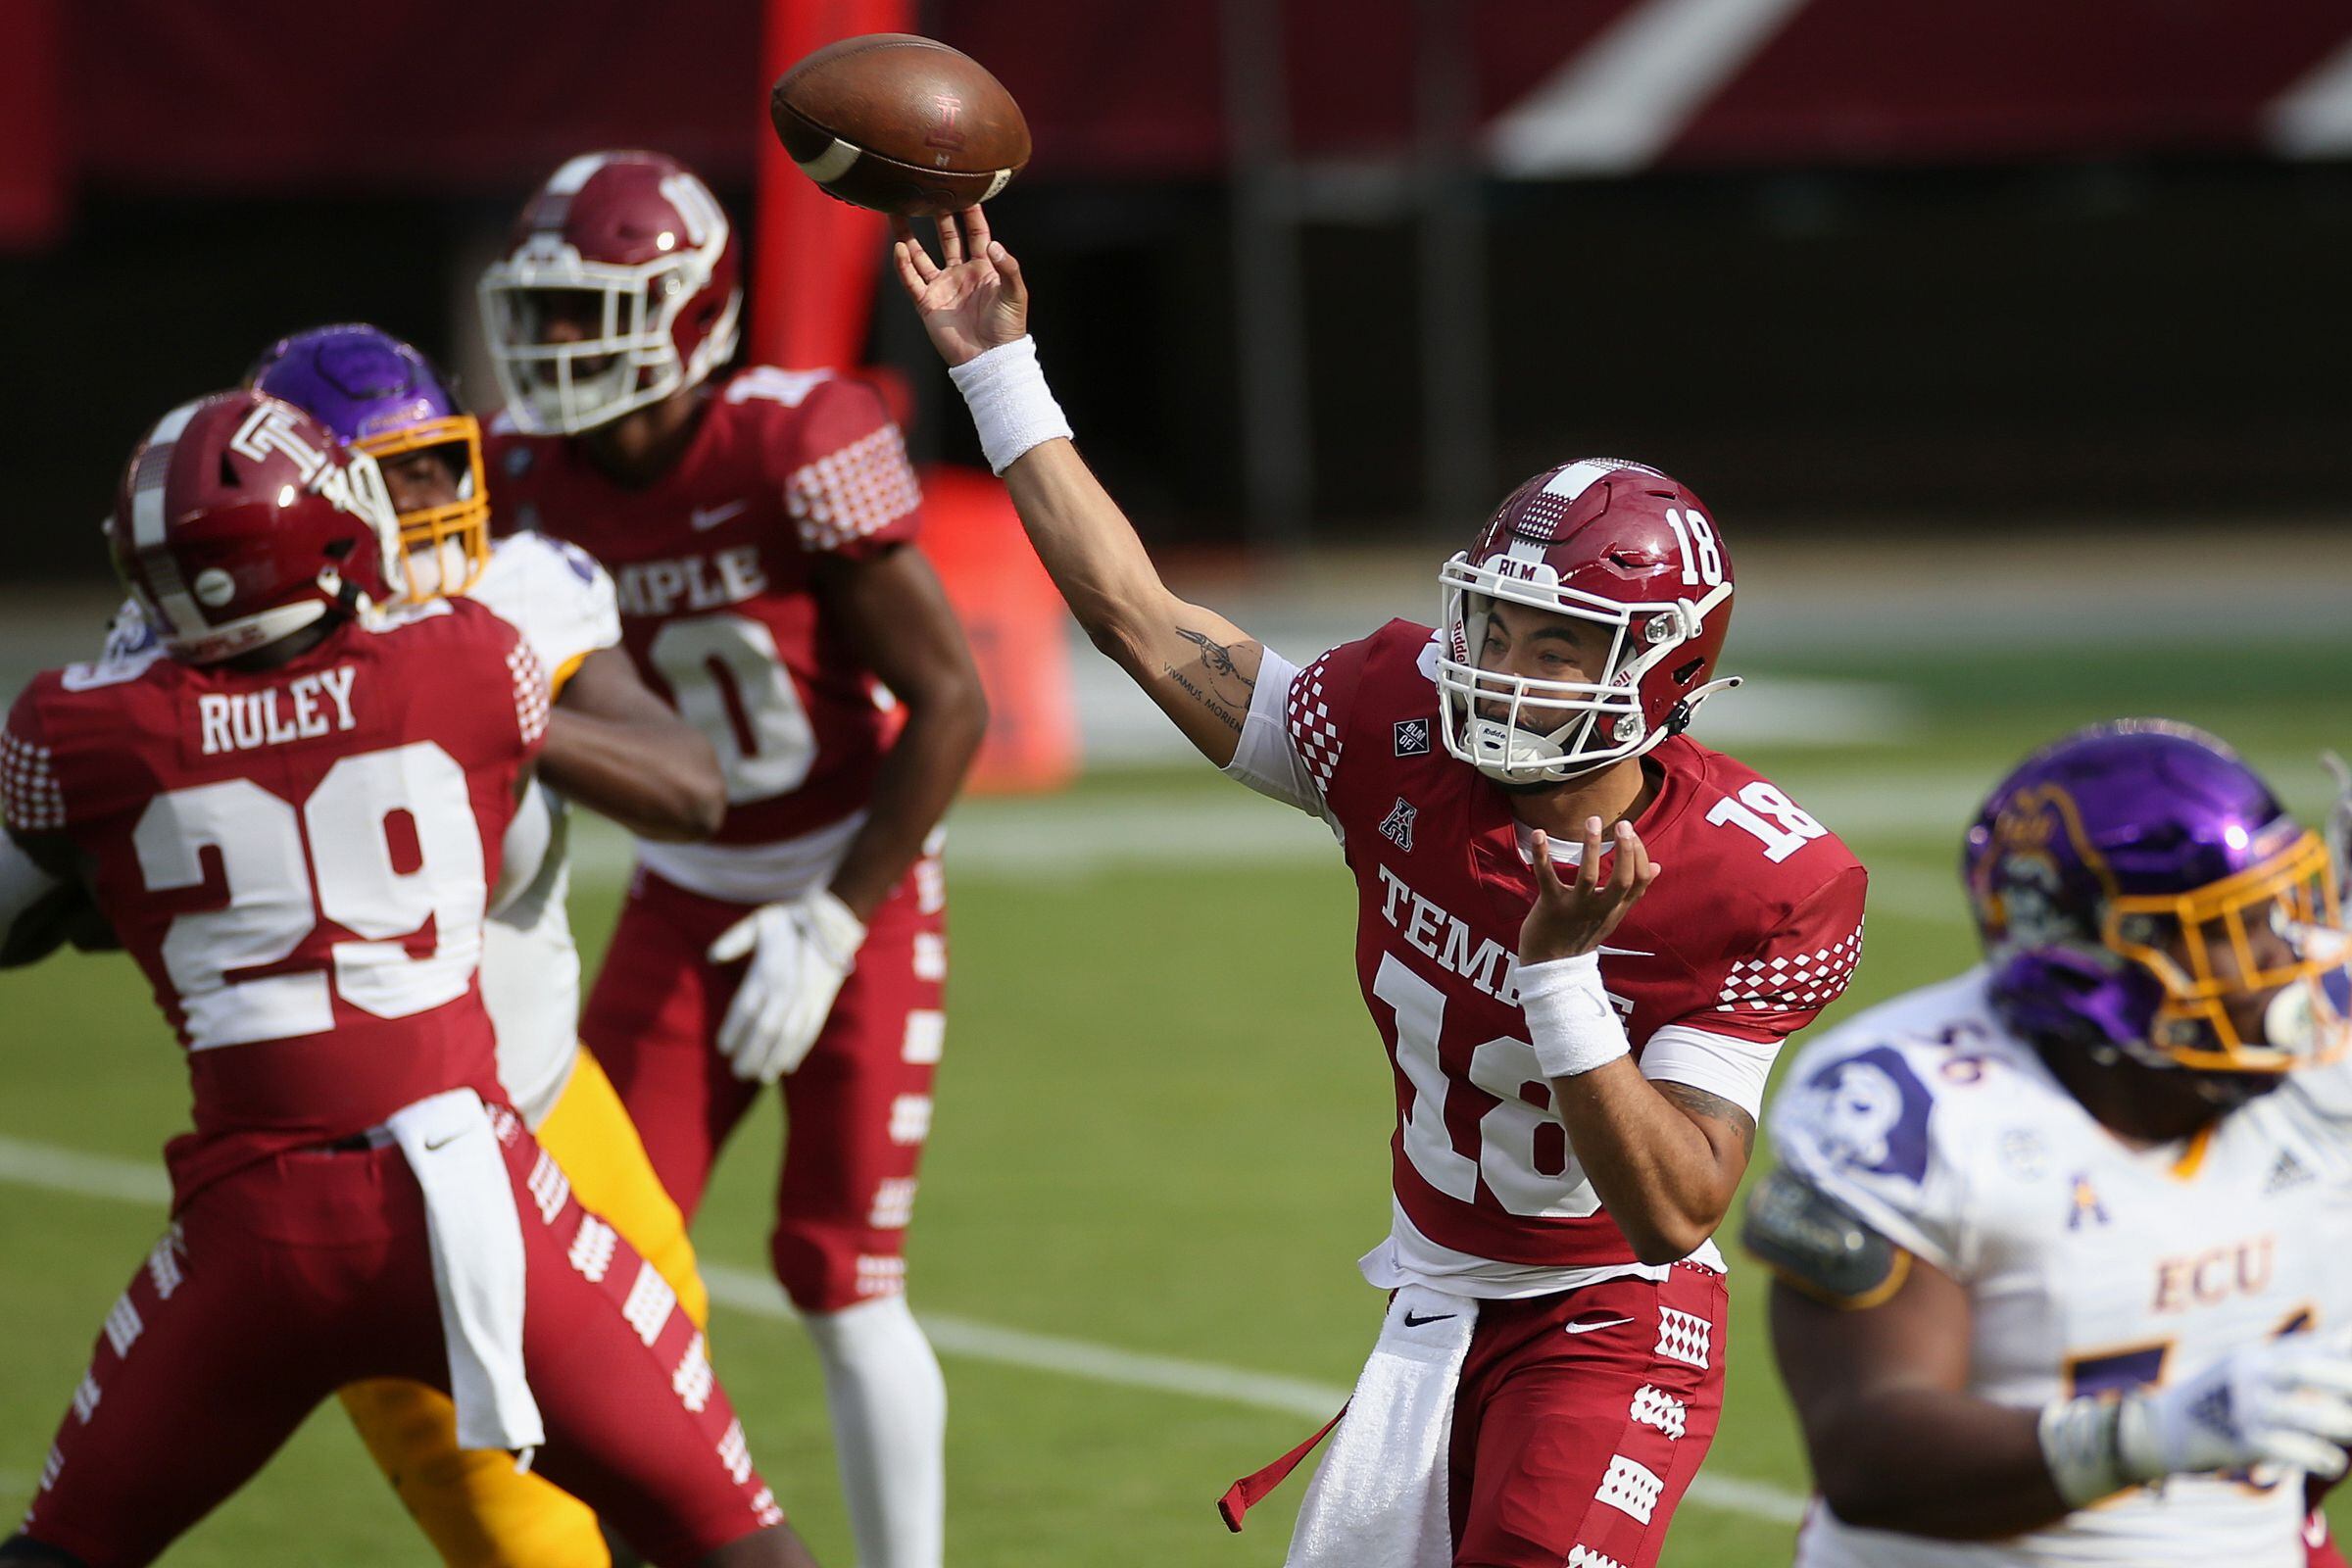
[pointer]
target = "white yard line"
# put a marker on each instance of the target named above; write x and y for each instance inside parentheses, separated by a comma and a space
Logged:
(748, 1290)
(66, 1171)
(1062, 838)
(70, 1171)
(1915, 892)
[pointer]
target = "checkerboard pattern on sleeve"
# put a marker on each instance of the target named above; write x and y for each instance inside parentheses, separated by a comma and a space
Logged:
(29, 797)
(1787, 982)
(531, 690)
(852, 492)
(1313, 730)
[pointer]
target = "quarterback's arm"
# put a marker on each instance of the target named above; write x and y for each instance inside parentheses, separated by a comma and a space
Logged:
(619, 750)
(1895, 1441)
(899, 620)
(1678, 1131)
(1199, 667)
(1664, 1158)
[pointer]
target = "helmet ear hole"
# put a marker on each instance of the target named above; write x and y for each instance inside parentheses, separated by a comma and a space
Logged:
(1688, 671)
(228, 471)
(337, 549)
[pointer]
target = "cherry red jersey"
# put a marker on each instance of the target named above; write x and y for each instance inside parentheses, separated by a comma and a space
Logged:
(715, 565)
(1752, 927)
(298, 858)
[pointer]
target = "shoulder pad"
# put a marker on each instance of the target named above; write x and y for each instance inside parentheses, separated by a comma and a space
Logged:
(2326, 1088)
(112, 671)
(538, 557)
(1818, 1245)
(394, 617)
(1864, 1112)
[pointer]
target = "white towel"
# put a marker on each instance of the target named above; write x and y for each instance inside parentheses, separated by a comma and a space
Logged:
(477, 1265)
(1379, 1498)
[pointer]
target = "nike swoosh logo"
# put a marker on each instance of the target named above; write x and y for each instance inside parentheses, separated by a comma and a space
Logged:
(1413, 1322)
(704, 518)
(432, 1145)
(1605, 1323)
(1625, 953)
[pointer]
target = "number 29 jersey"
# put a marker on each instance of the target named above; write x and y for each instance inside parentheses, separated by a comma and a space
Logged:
(715, 564)
(1753, 926)
(2091, 1266)
(299, 859)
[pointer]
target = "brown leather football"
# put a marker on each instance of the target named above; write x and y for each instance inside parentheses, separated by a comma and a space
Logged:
(900, 123)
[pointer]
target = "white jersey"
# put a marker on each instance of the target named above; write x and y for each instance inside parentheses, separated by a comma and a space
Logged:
(563, 605)
(2089, 1265)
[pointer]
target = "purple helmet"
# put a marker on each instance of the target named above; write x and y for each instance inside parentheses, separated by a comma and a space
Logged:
(2137, 885)
(385, 399)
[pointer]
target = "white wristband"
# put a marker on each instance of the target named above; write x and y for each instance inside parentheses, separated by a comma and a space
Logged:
(1569, 1019)
(1012, 406)
(2081, 1445)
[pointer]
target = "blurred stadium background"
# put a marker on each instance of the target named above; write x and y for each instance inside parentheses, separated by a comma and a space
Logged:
(2007, 339)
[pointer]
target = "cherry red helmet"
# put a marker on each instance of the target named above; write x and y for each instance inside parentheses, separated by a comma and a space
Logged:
(241, 518)
(622, 285)
(1615, 544)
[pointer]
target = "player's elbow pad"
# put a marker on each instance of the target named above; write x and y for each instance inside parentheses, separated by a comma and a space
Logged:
(1817, 1244)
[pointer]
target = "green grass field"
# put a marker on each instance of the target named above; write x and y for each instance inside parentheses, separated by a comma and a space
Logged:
(1162, 1127)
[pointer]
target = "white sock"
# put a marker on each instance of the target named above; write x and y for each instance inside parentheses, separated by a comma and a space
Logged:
(889, 1406)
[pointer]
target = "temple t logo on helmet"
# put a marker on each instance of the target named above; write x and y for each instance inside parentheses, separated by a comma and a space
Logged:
(621, 285)
(241, 519)
(2139, 888)
(384, 398)
(1615, 545)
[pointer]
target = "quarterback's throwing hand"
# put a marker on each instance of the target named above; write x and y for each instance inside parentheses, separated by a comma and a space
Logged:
(1572, 918)
(799, 954)
(972, 298)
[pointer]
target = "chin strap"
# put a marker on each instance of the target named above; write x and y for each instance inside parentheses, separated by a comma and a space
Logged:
(1678, 719)
(344, 595)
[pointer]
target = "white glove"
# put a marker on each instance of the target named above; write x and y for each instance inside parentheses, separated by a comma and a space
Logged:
(2285, 1402)
(800, 955)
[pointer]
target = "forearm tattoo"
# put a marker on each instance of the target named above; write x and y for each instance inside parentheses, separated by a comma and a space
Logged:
(1699, 1103)
(1223, 713)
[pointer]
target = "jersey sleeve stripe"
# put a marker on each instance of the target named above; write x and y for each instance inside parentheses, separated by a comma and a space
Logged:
(854, 491)
(29, 796)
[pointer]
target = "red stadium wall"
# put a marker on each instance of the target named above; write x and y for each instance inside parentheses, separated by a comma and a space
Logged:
(458, 94)
(32, 154)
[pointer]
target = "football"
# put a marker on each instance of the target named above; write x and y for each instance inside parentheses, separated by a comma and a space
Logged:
(900, 123)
